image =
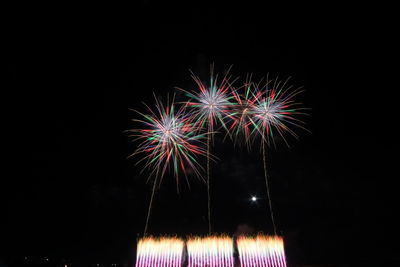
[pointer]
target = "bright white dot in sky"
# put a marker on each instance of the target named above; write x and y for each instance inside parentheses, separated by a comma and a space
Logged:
(254, 199)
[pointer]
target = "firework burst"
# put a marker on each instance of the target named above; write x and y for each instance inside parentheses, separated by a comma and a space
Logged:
(274, 110)
(169, 139)
(264, 111)
(210, 104)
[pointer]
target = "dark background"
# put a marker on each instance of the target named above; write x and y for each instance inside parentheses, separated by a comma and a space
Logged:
(73, 196)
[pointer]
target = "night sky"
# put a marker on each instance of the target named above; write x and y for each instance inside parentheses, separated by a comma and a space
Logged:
(73, 194)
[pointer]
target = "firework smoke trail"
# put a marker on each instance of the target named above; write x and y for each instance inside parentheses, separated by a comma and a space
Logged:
(169, 139)
(261, 251)
(210, 105)
(210, 251)
(162, 252)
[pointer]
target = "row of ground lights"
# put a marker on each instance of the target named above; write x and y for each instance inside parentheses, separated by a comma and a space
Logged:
(213, 251)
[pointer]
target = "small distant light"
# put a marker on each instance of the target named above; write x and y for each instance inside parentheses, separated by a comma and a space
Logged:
(254, 199)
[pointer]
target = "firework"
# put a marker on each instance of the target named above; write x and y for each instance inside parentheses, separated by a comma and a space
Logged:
(210, 104)
(261, 251)
(274, 110)
(210, 251)
(169, 139)
(264, 110)
(162, 252)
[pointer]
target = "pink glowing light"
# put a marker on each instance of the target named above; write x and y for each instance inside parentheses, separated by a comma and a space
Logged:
(261, 251)
(159, 252)
(210, 252)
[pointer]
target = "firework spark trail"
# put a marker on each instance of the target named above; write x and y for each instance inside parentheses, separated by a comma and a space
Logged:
(264, 155)
(170, 137)
(261, 251)
(210, 105)
(208, 185)
(162, 252)
(210, 252)
(150, 205)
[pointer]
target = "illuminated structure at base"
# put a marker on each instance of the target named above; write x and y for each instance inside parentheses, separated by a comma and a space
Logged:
(210, 252)
(159, 252)
(261, 251)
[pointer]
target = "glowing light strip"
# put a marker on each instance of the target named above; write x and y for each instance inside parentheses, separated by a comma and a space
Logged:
(261, 251)
(160, 252)
(210, 252)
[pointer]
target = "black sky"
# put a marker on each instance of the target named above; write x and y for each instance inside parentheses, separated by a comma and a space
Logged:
(74, 194)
